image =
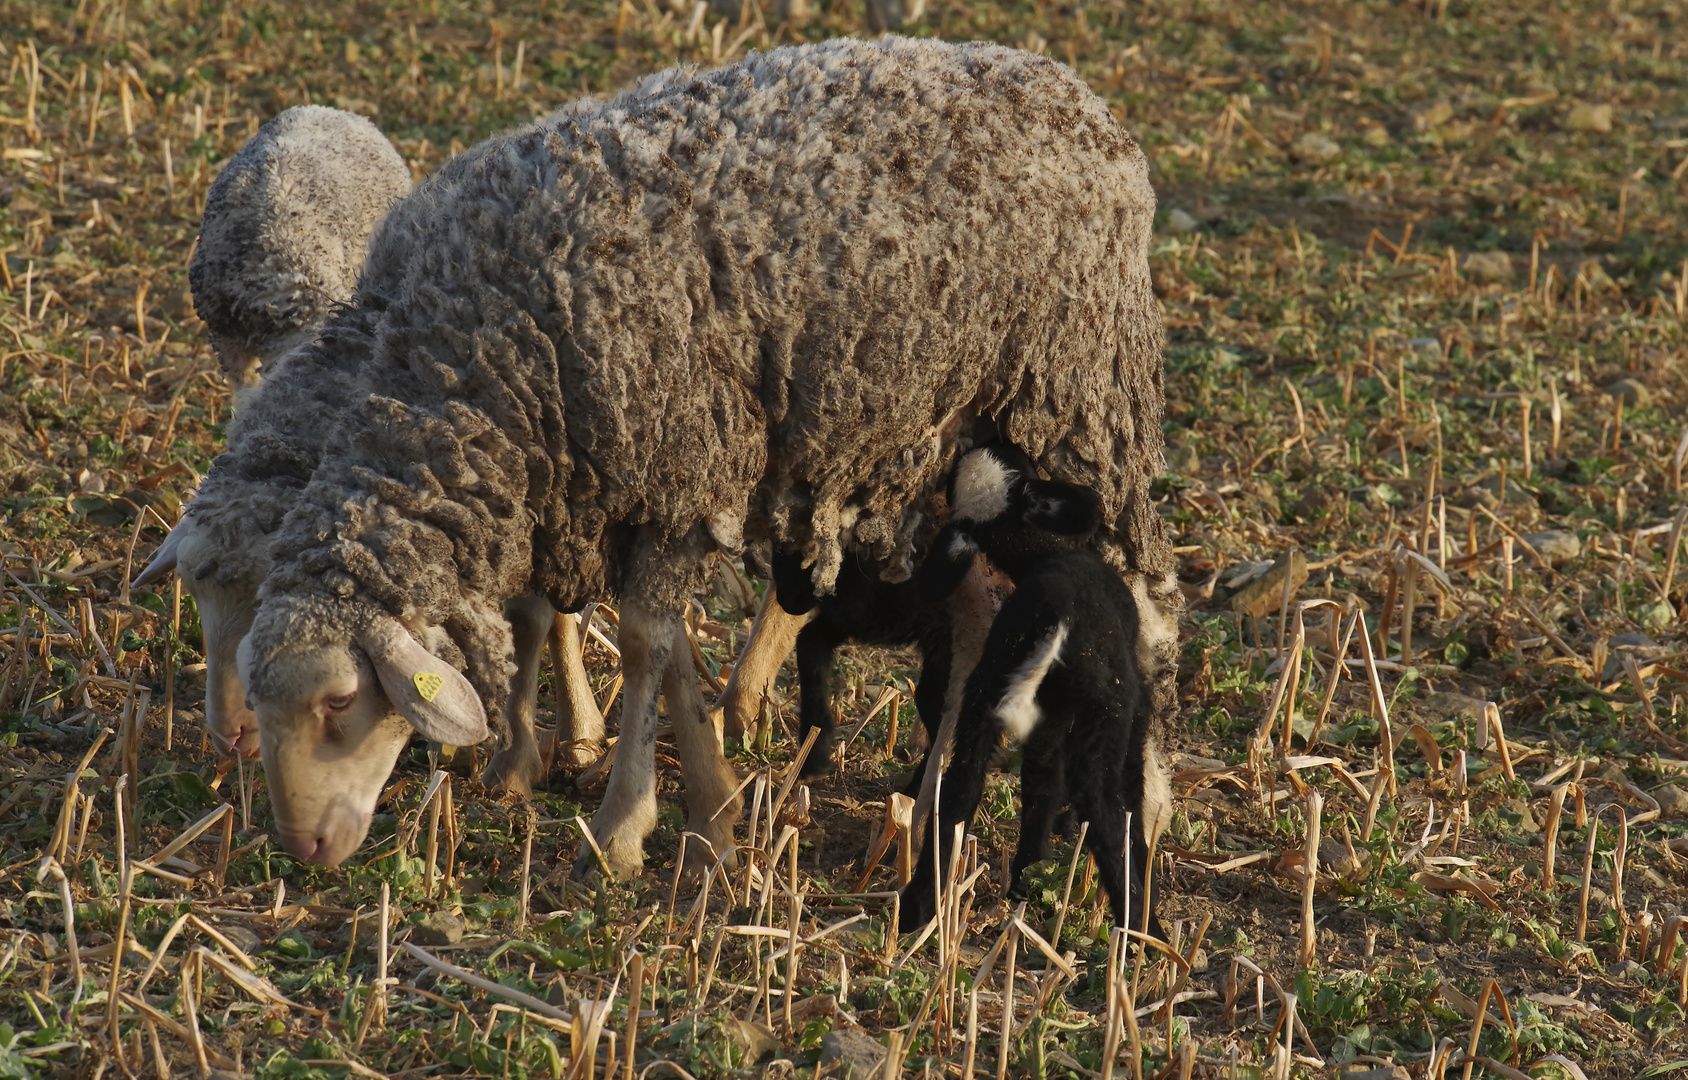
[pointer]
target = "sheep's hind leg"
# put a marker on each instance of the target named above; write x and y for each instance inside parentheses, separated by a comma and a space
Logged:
(714, 806)
(628, 812)
(517, 767)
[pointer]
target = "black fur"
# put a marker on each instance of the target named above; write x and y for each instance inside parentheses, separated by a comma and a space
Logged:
(867, 611)
(1088, 747)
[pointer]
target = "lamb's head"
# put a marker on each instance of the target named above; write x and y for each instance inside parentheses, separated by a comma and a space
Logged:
(285, 231)
(337, 692)
(999, 505)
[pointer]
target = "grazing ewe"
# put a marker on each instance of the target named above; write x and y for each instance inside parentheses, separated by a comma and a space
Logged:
(285, 228)
(1060, 675)
(769, 300)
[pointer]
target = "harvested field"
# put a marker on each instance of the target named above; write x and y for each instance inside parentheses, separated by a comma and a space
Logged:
(1425, 275)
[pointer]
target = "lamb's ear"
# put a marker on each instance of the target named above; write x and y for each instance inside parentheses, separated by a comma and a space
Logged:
(1063, 509)
(164, 559)
(947, 565)
(794, 588)
(427, 691)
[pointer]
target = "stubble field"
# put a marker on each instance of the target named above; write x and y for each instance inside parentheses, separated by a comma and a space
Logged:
(1423, 271)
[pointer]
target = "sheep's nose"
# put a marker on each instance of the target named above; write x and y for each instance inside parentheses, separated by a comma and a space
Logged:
(303, 848)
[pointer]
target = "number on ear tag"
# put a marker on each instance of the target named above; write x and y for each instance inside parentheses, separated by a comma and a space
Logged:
(428, 685)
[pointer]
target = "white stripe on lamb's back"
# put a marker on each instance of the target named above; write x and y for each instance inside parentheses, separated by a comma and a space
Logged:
(1018, 709)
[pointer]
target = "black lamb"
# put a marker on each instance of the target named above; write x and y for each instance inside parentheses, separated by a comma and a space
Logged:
(1061, 674)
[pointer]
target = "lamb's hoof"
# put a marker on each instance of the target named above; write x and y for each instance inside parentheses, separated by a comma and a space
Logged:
(821, 760)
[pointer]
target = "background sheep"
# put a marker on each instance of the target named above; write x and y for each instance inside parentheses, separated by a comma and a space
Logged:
(1058, 675)
(284, 232)
(283, 235)
(773, 297)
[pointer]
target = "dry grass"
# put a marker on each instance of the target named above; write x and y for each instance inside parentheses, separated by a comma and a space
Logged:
(1349, 390)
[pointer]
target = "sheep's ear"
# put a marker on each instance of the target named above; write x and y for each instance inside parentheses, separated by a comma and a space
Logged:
(427, 691)
(164, 559)
(794, 588)
(947, 566)
(1063, 509)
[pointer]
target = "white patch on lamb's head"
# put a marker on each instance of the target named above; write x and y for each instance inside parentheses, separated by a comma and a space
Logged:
(1018, 709)
(981, 487)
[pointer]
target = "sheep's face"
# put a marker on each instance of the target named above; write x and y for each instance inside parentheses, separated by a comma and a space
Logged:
(332, 720)
(330, 738)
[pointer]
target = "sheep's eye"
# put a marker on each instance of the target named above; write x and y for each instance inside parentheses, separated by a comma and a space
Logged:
(339, 702)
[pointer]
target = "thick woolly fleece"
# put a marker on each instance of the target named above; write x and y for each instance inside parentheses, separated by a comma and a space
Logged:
(286, 223)
(768, 300)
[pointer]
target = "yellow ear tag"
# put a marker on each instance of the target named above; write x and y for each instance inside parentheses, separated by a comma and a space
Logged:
(428, 685)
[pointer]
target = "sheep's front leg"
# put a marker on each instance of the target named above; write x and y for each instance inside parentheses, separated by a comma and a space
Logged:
(772, 636)
(628, 812)
(516, 766)
(714, 806)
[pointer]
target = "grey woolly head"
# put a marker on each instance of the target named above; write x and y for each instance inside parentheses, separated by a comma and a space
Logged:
(286, 227)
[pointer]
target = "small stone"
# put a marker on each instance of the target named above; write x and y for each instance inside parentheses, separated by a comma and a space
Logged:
(1374, 1072)
(1198, 963)
(756, 1041)
(244, 939)
(1627, 971)
(1598, 898)
(1433, 115)
(1315, 148)
(1183, 460)
(368, 931)
(1640, 646)
(1427, 350)
(1335, 860)
(1613, 773)
(1448, 705)
(1586, 116)
(1631, 392)
(440, 928)
(857, 1054)
(1265, 594)
(1377, 136)
(1181, 761)
(1527, 822)
(1657, 615)
(1180, 221)
(1672, 800)
(1557, 546)
(1488, 267)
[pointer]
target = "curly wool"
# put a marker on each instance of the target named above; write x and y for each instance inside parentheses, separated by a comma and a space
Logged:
(284, 232)
(769, 300)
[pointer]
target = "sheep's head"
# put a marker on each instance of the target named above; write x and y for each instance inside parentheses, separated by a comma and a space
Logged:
(334, 715)
(226, 604)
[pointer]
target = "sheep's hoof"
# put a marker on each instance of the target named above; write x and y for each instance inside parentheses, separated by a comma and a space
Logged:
(514, 771)
(620, 869)
(821, 760)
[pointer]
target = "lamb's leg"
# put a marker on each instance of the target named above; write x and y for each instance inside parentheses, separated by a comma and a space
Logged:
(929, 697)
(816, 646)
(772, 636)
(1043, 791)
(580, 726)
(628, 812)
(710, 780)
(516, 766)
(976, 737)
(1148, 785)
